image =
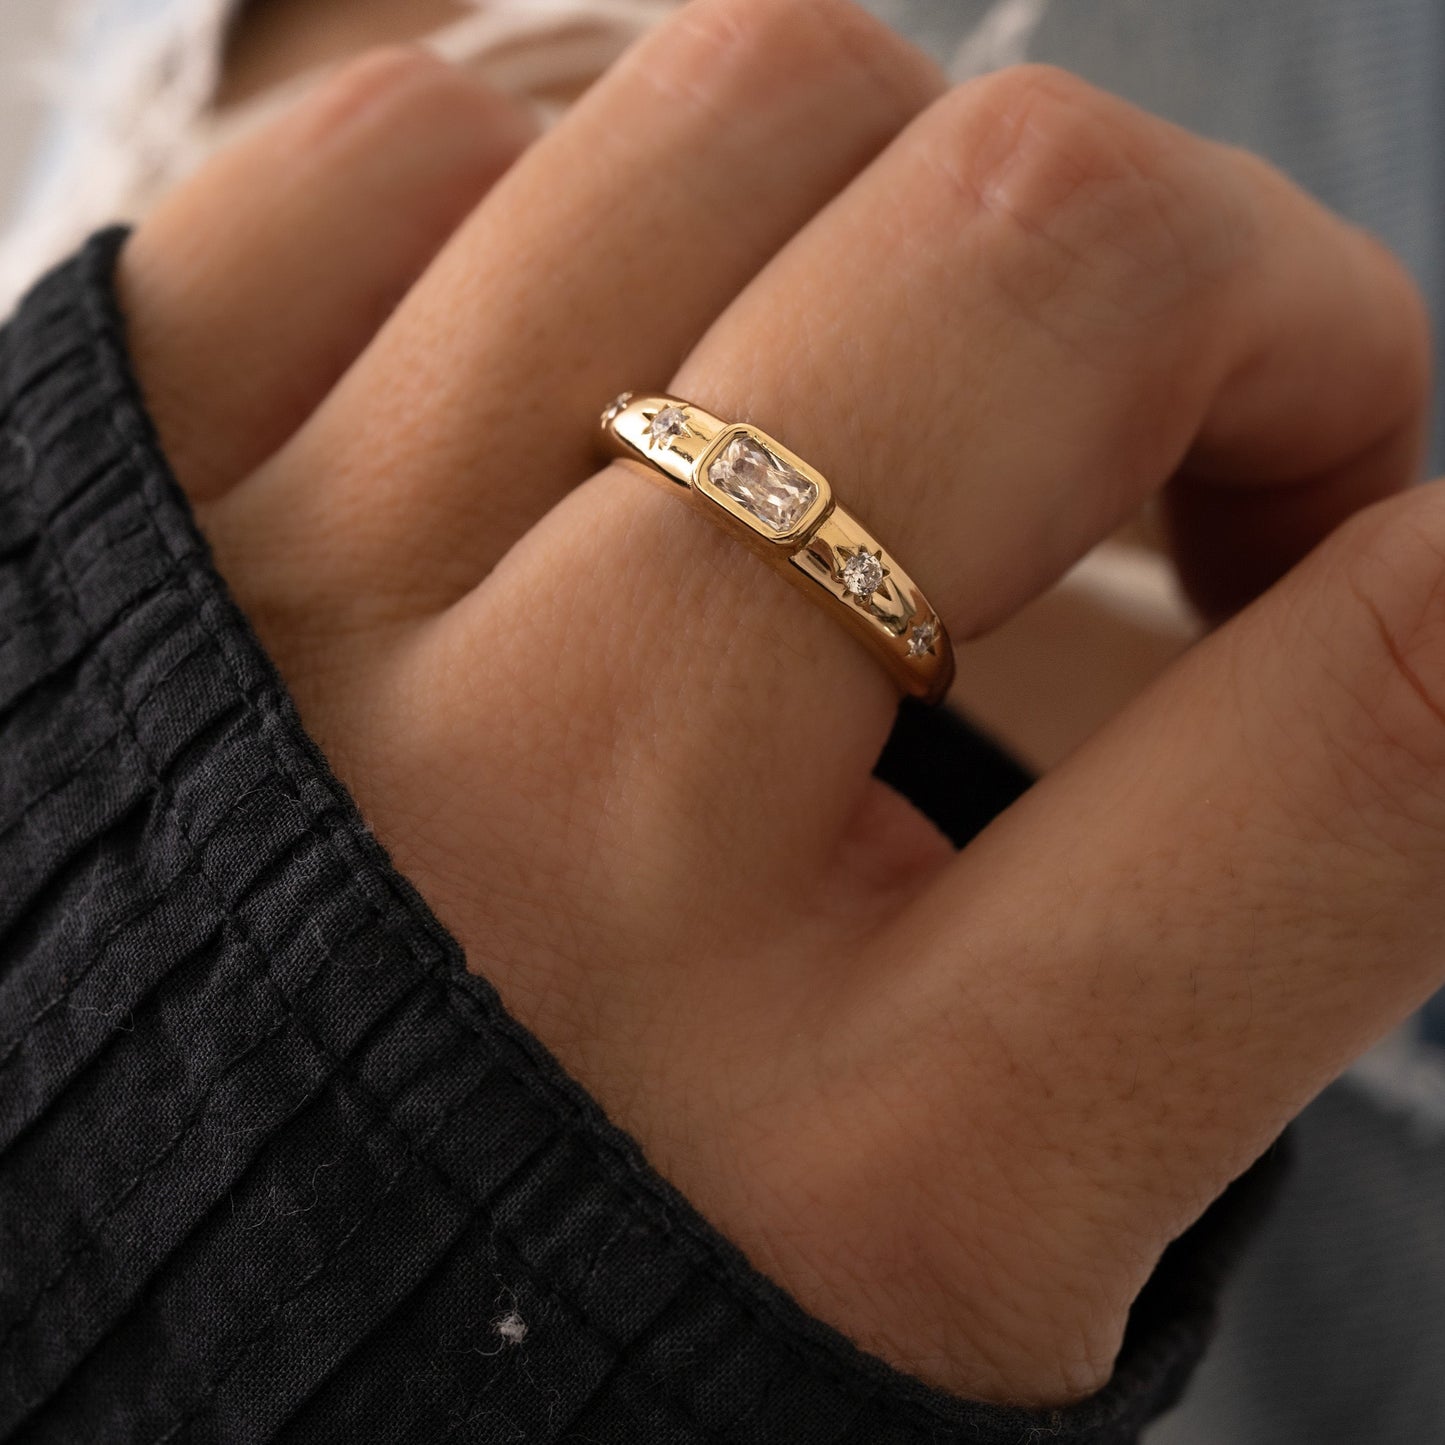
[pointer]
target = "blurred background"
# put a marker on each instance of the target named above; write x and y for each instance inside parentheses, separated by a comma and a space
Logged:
(28, 30)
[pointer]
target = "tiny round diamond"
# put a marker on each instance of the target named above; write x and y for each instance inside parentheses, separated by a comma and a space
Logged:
(670, 422)
(863, 574)
(616, 408)
(922, 638)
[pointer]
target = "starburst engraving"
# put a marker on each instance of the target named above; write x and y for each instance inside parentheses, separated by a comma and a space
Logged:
(923, 638)
(615, 408)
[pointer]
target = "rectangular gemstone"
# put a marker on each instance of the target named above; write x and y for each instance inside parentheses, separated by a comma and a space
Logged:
(763, 484)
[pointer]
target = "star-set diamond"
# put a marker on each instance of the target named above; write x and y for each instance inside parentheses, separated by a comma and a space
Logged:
(615, 408)
(923, 638)
(670, 422)
(863, 574)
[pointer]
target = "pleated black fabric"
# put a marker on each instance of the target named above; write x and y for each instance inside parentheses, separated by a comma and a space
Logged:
(273, 1165)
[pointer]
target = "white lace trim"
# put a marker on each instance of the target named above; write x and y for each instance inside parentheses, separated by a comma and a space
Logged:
(140, 120)
(126, 126)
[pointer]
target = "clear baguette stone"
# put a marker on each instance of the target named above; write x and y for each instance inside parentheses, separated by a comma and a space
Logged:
(863, 574)
(670, 422)
(766, 486)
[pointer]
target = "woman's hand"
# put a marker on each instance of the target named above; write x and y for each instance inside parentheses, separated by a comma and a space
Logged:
(956, 1104)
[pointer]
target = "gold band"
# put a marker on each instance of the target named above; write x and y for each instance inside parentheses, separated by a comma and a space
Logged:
(755, 488)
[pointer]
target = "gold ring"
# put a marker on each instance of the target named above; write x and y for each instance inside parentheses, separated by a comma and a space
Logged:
(755, 488)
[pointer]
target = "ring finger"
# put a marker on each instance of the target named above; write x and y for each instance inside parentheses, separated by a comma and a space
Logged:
(1035, 308)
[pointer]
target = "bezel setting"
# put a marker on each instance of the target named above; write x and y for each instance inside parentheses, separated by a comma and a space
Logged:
(807, 521)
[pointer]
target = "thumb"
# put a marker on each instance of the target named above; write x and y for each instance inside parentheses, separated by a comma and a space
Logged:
(1195, 923)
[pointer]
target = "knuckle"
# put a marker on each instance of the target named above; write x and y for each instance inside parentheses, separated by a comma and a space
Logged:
(851, 40)
(410, 84)
(1411, 375)
(736, 56)
(1391, 561)
(1079, 181)
(1030, 142)
(374, 76)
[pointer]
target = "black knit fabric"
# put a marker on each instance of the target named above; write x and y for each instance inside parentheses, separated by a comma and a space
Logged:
(273, 1165)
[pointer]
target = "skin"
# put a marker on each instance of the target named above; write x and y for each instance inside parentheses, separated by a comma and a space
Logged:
(957, 1104)
(274, 40)
(1041, 682)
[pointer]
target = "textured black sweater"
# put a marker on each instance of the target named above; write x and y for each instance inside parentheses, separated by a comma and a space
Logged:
(273, 1164)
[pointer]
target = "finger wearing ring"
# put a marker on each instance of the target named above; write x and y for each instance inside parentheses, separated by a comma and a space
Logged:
(758, 490)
